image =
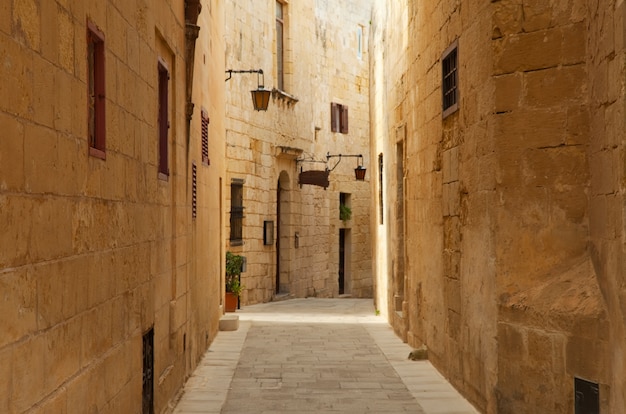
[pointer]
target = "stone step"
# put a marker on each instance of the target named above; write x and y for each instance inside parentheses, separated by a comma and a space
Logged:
(229, 322)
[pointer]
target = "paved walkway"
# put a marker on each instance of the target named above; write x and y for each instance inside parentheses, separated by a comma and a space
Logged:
(315, 355)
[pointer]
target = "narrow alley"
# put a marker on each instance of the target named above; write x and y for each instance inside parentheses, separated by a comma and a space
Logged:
(315, 355)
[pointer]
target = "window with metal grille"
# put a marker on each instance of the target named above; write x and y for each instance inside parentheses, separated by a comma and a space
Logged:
(205, 137)
(164, 123)
(280, 27)
(236, 212)
(96, 91)
(194, 190)
(338, 118)
(449, 70)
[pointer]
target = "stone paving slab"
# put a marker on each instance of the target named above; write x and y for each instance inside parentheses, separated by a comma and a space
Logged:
(315, 355)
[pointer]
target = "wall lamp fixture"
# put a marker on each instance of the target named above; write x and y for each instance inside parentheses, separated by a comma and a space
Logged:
(359, 171)
(260, 96)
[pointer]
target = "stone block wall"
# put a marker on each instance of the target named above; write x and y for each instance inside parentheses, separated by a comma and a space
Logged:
(512, 202)
(263, 148)
(95, 252)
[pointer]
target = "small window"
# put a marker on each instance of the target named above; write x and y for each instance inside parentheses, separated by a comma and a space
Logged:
(587, 397)
(205, 137)
(338, 118)
(381, 206)
(449, 68)
(236, 212)
(194, 190)
(164, 123)
(96, 92)
(280, 45)
(359, 42)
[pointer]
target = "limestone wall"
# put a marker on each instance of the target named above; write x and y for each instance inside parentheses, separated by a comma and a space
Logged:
(510, 220)
(321, 66)
(605, 152)
(95, 252)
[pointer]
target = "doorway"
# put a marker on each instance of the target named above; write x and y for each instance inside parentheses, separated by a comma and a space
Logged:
(148, 373)
(284, 249)
(278, 201)
(342, 261)
(344, 279)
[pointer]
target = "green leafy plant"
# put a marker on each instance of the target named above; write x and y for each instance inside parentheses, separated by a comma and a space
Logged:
(234, 264)
(345, 212)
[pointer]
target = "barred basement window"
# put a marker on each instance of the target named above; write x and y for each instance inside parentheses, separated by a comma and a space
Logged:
(449, 70)
(338, 118)
(194, 190)
(96, 93)
(205, 137)
(236, 212)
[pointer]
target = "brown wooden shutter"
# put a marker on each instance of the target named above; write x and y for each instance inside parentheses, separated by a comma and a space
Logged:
(205, 138)
(344, 119)
(163, 119)
(334, 121)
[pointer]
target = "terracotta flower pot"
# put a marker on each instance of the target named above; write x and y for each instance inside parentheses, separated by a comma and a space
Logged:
(230, 303)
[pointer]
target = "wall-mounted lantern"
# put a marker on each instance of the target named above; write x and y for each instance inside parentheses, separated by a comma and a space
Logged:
(260, 95)
(359, 171)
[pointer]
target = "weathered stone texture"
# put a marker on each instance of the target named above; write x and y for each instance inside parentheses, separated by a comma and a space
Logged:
(95, 252)
(510, 199)
(321, 66)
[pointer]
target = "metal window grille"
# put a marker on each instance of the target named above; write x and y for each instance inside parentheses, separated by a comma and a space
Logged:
(450, 80)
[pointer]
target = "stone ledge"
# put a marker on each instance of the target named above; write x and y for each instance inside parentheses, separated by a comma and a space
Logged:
(229, 323)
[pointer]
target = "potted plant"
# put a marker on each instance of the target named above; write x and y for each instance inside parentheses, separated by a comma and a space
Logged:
(234, 263)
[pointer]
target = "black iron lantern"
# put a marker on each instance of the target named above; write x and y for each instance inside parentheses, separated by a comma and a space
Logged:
(260, 96)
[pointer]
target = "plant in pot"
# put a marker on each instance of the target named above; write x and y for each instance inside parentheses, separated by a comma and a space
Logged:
(234, 264)
(345, 212)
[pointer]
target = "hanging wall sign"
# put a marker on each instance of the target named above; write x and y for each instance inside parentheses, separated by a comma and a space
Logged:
(314, 177)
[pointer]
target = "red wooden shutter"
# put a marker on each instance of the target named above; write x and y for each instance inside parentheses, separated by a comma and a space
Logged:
(205, 138)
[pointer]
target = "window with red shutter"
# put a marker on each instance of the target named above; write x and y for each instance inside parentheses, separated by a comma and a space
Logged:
(205, 137)
(164, 123)
(96, 93)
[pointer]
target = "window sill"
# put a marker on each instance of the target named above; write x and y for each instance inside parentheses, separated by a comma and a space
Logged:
(236, 242)
(97, 153)
(163, 177)
(284, 96)
(449, 111)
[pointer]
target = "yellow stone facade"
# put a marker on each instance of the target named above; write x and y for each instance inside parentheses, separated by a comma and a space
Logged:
(265, 151)
(96, 252)
(498, 239)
